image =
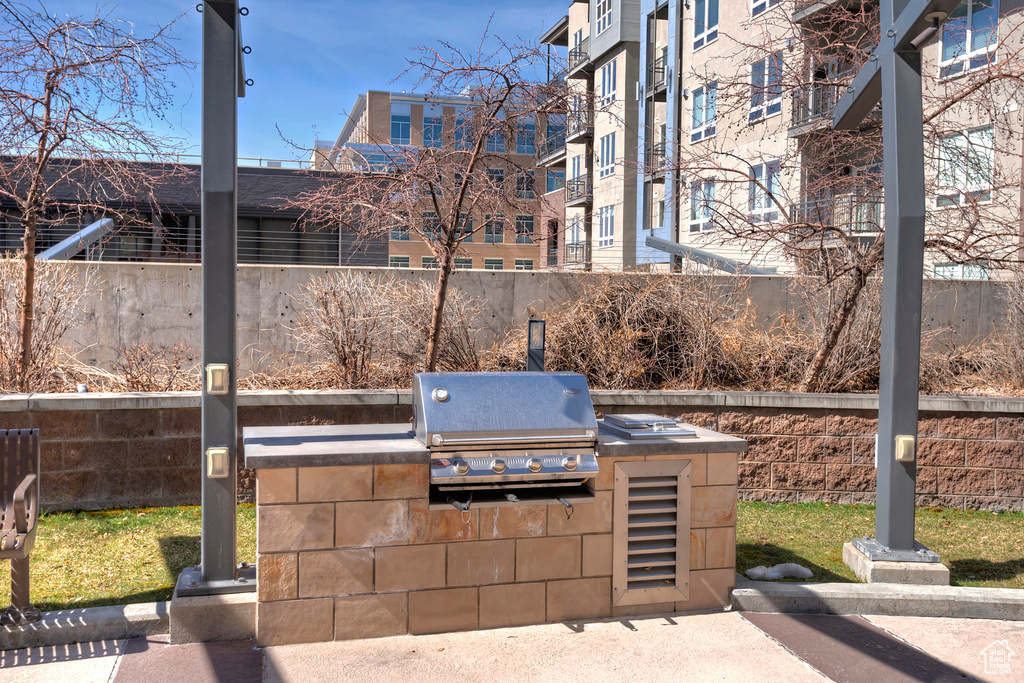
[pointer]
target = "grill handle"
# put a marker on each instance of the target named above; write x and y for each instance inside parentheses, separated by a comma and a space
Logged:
(439, 440)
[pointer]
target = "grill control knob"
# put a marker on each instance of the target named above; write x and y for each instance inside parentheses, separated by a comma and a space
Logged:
(498, 466)
(570, 464)
(534, 465)
(462, 467)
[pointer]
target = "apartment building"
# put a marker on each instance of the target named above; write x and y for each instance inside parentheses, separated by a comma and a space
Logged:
(600, 133)
(381, 121)
(728, 103)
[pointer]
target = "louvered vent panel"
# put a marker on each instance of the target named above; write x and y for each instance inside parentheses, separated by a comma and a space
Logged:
(651, 532)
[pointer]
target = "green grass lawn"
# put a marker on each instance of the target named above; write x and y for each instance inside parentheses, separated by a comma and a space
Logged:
(89, 559)
(980, 548)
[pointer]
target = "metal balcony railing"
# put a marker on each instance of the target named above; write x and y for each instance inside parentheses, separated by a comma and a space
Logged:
(581, 121)
(654, 159)
(579, 188)
(815, 101)
(860, 212)
(551, 145)
(656, 74)
(579, 55)
(577, 253)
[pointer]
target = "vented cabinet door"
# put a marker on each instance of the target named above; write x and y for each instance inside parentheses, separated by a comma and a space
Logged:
(651, 532)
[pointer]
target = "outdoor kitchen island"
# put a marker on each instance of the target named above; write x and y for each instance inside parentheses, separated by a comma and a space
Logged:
(355, 541)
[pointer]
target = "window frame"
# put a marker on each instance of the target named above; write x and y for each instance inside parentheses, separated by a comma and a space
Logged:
(967, 59)
(606, 226)
(766, 97)
(702, 221)
(607, 156)
(489, 263)
(492, 236)
(609, 83)
(462, 263)
(523, 264)
(434, 124)
(398, 112)
(400, 234)
(959, 186)
(526, 137)
(525, 229)
(397, 262)
(708, 112)
(760, 206)
(603, 16)
(761, 6)
(526, 184)
(704, 31)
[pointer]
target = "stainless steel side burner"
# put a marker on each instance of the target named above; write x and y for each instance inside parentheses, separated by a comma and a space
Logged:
(644, 426)
(505, 435)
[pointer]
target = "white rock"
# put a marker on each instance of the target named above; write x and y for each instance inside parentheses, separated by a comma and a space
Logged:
(788, 570)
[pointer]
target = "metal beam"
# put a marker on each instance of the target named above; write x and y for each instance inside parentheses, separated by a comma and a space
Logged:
(705, 258)
(83, 239)
(219, 236)
(860, 98)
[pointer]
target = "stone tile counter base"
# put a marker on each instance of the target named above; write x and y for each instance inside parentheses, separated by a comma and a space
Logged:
(354, 551)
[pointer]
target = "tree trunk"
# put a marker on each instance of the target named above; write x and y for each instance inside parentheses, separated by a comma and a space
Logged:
(812, 375)
(437, 315)
(28, 301)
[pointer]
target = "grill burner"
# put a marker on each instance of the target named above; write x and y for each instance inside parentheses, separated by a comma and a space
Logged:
(506, 435)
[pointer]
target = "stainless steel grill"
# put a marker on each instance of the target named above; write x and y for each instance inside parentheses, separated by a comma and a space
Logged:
(505, 436)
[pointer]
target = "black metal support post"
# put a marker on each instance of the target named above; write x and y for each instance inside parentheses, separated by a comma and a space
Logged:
(535, 346)
(894, 75)
(219, 232)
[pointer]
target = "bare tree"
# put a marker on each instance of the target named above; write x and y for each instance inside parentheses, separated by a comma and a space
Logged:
(786, 186)
(446, 194)
(78, 100)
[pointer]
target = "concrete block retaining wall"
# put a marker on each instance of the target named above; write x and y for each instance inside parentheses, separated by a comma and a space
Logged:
(127, 450)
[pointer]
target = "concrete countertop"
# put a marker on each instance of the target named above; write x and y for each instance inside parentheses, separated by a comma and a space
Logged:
(393, 444)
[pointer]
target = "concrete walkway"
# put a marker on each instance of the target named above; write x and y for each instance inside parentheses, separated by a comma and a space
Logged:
(720, 646)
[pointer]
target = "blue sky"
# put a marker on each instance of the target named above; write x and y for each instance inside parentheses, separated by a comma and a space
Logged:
(311, 58)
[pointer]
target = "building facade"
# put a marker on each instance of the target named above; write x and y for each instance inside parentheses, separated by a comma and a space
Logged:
(380, 121)
(728, 105)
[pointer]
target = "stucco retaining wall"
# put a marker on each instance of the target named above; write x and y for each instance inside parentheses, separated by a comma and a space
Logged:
(117, 450)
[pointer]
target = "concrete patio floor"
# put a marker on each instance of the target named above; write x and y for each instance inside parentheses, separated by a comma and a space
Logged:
(721, 646)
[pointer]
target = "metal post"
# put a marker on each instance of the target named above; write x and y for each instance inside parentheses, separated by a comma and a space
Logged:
(219, 248)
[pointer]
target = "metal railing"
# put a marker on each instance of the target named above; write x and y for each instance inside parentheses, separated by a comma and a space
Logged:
(654, 159)
(815, 101)
(577, 253)
(553, 258)
(579, 188)
(581, 120)
(550, 145)
(861, 212)
(579, 55)
(656, 74)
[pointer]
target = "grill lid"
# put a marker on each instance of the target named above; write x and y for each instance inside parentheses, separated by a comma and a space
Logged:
(489, 409)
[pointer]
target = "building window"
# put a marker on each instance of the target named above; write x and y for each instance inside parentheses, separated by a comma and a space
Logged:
(525, 185)
(705, 23)
(763, 192)
(607, 158)
(432, 224)
(462, 263)
(494, 229)
(556, 180)
(398, 261)
(463, 134)
(978, 270)
(401, 123)
(702, 205)
(766, 87)
(429, 262)
(575, 231)
(604, 15)
(606, 226)
(969, 37)
(496, 139)
(464, 230)
(758, 6)
(524, 229)
(400, 234)
(966, 167)
(494, 264)
(608, 83)
(433, 131)
(526, 137)
(496, 179)
(705, 110)
(576, 166)
(524, 264)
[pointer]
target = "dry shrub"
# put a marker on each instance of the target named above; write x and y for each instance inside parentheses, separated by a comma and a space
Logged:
(638, 332)
(59, 296)
(370, 331)
(1010, 357)
(145, 367)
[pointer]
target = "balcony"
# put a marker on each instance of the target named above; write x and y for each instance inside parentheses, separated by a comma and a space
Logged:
(581, 123)
(577, 255)
(579, 60)
(579, 191)
(858, 213)
(654, 162)
(551, 149)
(814, 102)
(657, 75)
